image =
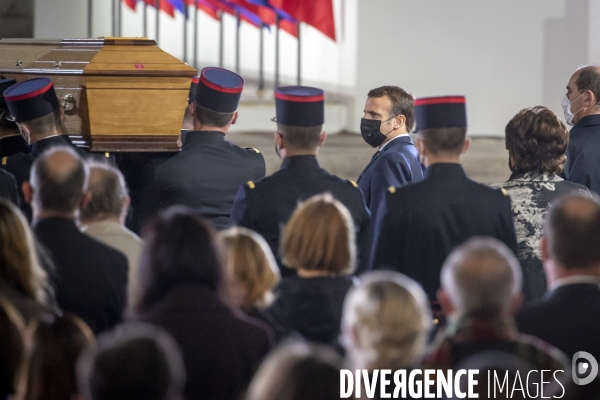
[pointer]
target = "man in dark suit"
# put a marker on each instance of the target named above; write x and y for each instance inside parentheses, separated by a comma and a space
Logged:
(418, 225)
(265, 205)
(389, 117)
(582, 107)
(90, 278)
(208, 171)
(11, 141)
(567, 317)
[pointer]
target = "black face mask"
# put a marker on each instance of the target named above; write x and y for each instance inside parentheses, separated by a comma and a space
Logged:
(370, 129)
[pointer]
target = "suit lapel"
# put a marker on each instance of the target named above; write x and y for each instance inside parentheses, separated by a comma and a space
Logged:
(396, 143)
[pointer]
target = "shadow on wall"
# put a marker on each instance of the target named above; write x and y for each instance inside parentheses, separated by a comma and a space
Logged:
(566, 47)
(16, 18)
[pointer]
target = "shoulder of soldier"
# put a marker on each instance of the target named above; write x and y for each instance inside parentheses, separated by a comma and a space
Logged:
(16, 160)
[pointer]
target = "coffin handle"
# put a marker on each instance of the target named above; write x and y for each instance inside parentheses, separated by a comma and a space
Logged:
(68, 102)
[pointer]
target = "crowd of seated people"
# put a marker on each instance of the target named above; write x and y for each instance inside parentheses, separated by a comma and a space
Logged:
(91, 311)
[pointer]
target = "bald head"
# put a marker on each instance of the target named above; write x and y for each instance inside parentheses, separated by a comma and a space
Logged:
(481, 275)
(572, 231)
(59, 178)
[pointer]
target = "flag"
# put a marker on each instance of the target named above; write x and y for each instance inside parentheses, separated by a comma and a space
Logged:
(317, 13)
(179, 5)
(286, 22)
(207, 8)
(164, 5)
(131, 4)
(231, 8)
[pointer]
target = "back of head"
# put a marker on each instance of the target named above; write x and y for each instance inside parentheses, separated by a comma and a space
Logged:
(46, 125)
(298, 371)
(19, 263)
(537, 141)
(589, 79)
(481, 275)
(135, 361)
(12, 347)
(442, 124)
(251, 266)
(59, 178)
(301, 137)
(386, 321)
(54, 344)
(109, 191)
(402, 103)
(216, 96)
(211, 118)
(572, 230)
(179, 249)
(320, 236)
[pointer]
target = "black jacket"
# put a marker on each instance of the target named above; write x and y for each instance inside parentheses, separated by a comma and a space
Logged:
(90, 278)
(266, 205)
(8, 188)
(566, 317)
(206, 175)
(583, 153)
(311, 306)
(418, 225)
(14, 144)
(221, 350)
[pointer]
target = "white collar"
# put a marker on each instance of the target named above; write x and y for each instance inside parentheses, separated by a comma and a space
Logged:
(390, 141)
(572, 280)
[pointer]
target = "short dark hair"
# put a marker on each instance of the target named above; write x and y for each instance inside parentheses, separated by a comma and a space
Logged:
(444, 140)
(402, 103)
(179, 248)
(573, 231)
(212, 118)
(46, 124)
(537, 139)
(301, 137)
(108, 188)
(589, 79)
(135, 361)
(58, 192)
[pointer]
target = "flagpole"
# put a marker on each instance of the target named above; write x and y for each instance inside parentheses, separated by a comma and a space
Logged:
(120, 18)
(261, 61)
(90, 18)
(157, 6)
(299, 55)
(237, 41)
(145, 20)
(221, 37)
(114, 18)
(185, 32)
(277, 20)
(196, 36)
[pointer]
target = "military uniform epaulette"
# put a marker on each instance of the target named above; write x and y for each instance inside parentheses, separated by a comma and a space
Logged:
(253, 149)
(251, 185)
(392, 189)
(504, 192)
(352, 183)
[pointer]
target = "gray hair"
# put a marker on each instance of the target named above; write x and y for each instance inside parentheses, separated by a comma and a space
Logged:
(108, 189)
(481, 274)
(390, 316)
(57, 184)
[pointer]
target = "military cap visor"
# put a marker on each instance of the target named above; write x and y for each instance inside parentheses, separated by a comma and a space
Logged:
(219, 90)
(441, 112)
(31, 99)
(301, 106)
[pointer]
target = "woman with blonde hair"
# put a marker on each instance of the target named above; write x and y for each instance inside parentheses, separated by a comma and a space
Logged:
(386, 322)
(250, 267)
(22, 280)
(318, 242)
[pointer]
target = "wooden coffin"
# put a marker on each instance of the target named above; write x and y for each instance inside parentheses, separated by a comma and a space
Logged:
(119, 94)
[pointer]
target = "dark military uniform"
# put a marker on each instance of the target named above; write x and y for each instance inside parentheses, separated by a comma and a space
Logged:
(14, 144)
(418, 225)
(8, 188)
(206, 175)
(266, 205)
